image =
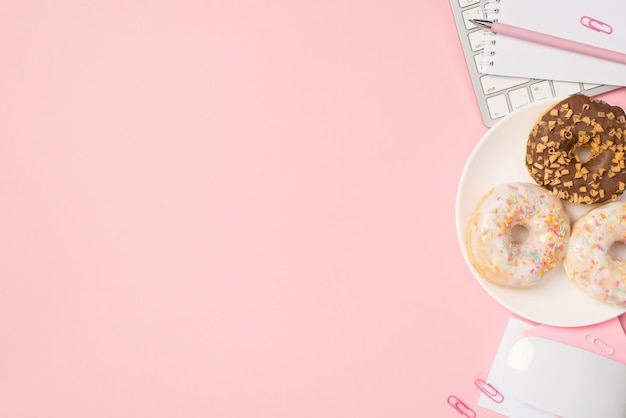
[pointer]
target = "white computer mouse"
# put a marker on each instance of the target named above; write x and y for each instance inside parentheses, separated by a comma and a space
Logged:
(565, 380)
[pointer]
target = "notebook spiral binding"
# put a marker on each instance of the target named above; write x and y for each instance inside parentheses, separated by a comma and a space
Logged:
(491, 12)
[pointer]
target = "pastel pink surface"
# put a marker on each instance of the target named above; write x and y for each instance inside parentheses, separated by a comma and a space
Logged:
(235, 209)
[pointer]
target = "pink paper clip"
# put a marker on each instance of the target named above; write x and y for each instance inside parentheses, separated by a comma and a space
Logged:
(488, 389)
(595, 24)
(599, 344)
(461, 407)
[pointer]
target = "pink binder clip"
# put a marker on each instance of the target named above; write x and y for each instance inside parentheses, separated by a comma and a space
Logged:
(461, 407)
(595, 24)
(488, 389)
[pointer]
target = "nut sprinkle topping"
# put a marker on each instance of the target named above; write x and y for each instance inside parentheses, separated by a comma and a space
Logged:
(557, 143)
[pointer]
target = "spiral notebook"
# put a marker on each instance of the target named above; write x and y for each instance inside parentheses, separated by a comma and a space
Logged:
(599, 22)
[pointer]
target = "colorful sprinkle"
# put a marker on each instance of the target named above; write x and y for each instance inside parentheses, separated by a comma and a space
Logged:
(491, 241)
(588, 261)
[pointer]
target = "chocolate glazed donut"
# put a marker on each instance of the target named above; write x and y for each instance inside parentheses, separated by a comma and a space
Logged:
(553, 150)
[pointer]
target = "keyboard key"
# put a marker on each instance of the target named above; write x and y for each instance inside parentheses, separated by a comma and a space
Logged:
(541, 90)
(478, 59)
(495, 83)
(519, 98)
(476, 40)
(465, 3)
(588, 86)
(565, 88)
(497, 106)
(473, 13)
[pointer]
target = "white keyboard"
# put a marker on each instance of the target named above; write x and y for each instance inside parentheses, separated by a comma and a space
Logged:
(498, 96)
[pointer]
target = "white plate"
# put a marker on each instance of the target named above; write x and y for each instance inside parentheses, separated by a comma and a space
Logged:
(499, 158)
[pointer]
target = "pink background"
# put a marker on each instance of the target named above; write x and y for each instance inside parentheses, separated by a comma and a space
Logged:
(236, 209)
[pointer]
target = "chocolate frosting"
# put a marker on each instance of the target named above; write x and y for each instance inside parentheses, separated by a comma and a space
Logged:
(553, 150)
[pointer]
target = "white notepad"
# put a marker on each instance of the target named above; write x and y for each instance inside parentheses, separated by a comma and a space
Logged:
(601, 23)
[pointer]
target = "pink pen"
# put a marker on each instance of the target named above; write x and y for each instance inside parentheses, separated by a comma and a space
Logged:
(549, 40)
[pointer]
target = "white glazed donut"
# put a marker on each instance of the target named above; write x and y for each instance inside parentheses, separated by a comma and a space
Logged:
(493, 247)
(589, 262)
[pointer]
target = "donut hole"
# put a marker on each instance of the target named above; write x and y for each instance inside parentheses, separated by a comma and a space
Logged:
(583, 153)
(617, 250)
(520, 233)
